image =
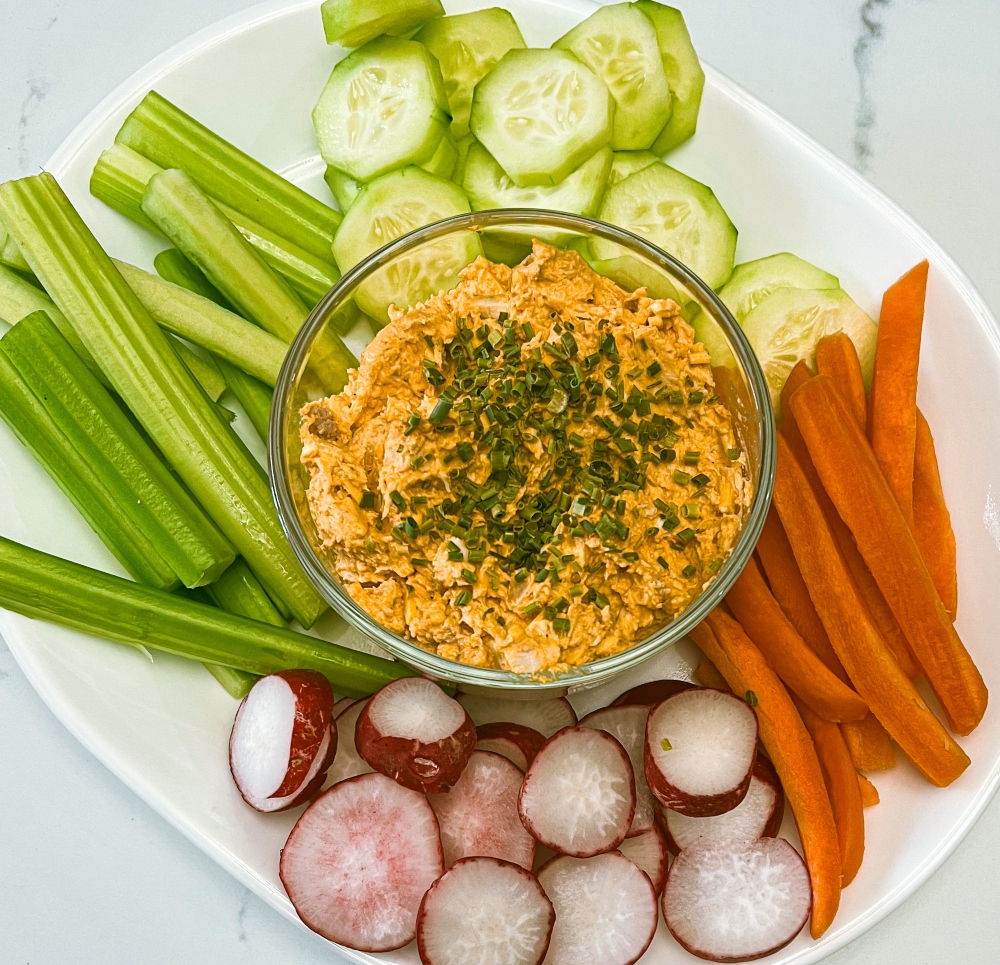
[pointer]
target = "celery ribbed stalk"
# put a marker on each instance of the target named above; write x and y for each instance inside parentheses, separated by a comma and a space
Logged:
(10, 254)
(172, 266)
(254, 396)
(205, 372)
(239, 591)
(146, 373)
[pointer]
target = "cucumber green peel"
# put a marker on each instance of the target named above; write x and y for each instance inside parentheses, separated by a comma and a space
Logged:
(352, 23)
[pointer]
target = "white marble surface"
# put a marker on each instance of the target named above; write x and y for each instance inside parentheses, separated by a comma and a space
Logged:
(904, 89)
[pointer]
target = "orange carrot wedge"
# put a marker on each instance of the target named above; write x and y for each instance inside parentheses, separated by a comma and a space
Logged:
(892, 407)
(869, 744)
(869, 793)
(799, 375)
(799, 668)
(872, 668)
(709, 676)
(852, 478)
(932, 521)
(837, 357)
(842, 786)
(791, 750)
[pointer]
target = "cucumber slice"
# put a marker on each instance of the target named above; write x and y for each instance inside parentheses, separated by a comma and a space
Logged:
(631, 273)
(463, 146)
(683, 71)
(786, 326)
(468, 46)
(343, 187)
(383, 107)
(386, 209)
(443, 160)
(753, 281)
(680, 215)
(541, 114)
(352, 23)
(620, 45)
(627, 163)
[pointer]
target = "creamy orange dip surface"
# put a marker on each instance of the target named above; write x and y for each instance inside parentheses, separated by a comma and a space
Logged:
(529, 472)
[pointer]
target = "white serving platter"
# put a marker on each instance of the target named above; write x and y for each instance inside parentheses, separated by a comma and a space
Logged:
(162, 726)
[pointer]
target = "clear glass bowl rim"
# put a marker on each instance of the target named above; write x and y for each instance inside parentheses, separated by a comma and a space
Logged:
(479, 678)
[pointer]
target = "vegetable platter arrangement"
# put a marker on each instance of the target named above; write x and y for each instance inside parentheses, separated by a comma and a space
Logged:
(488, 830)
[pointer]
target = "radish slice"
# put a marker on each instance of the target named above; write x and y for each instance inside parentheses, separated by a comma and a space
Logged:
(341, 705)
(578, 796)
(413, 732)
(348, 762)
(487, 912)
(606, 910)
(700, 749)
(283, 734)
(546, 716)
(734, 904)
(758, 815)
(652, 692)
(516, 742)
(478, 816)
(648, 852)
(360, 859)
(628, 726)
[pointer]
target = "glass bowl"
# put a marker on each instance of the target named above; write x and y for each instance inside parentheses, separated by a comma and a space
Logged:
(425, 261)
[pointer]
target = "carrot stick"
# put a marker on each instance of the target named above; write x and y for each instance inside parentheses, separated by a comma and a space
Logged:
(837, 357)
(852, 478)
(791, 750)
(932, 521)
(869, 663)
(892, 409)
(709, 676)
(799, 375)
(869, 744)
(842, 786)
(869, 793)
(799, 668)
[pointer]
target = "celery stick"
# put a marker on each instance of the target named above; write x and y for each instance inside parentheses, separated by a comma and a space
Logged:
(254, 396)
(172, 266)
(236, 683)
(93, 424)
(119, 180)
(205, 373)
(201, 321)
(10, 255)
(239, 591)
(136, 357)
(167, 136)
(44, 587)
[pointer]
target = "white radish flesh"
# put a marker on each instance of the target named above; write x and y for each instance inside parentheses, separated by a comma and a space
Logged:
(341, 705)
(360, 859)
(578, 796)
(348, 762)
(546, 716)
(736, 904)
(505, 747)
(700, 750)
(478, 816)
(605, 907)
(649, 853)
(484, 912)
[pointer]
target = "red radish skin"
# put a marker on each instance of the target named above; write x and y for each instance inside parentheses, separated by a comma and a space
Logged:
(700, 750)
(526, 740)
(652, 692)
(360, 859)
(578, 797)
(649, 853)
(478, 816)
(627, 725)
(758, 815)
(505, 748)
(737, 904)
(413, 732)
(605, 907)
(546, 716)
(314, 780)
(283, 735)
(486, 912)
(348, 762)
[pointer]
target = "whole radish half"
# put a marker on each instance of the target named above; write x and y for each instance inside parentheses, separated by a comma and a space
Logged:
(413, 732)
(758, 815)
(360, 859)
(578, 797)
(546, 716)
(652, 692)
(283, 739)
(478, 816)
(516, 742)
(484, 912)
(649, 853)
(735, 904)
(348, 762)
(628, 726)
(605, 907)
(700, 749)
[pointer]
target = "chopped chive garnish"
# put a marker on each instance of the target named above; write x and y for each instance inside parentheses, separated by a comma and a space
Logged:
(654, 369)
(715, 565)
(700, 480)
(418, 561)
(689, 571)
(686, 535)
(690, 511)
(368, 500)
(463, 598)
(691, 457)
(469, 576)
(561, 625)
(663, 562)
(397, 500)
(441, 411)
(532, 609)
(751, 698)
(631, 557)
(733, 454)
(695, 397)
(601, 600)
(681, 478)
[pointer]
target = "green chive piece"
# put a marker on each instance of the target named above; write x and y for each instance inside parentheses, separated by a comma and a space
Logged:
(666, 745)
(441, 411)
(689, 571)
(695, 397)
(663, 562)
(751, 698)
(681, 478)
(715, 565)
(463, 598)
(733, 454)
(686, 535)
(418, 561)
(691, 457)
(397, 500)
(532, 609)
(368, 500)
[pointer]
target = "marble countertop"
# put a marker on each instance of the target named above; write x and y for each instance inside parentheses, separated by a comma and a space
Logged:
(905, 90)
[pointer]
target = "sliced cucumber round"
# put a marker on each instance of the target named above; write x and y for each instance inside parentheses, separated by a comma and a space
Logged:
(631, 272)
(468, 46)
(627, 163)
(392, 206)
(383, 107)
(463, 146)
(751, 282)
(442, 161)
(619, 44)
(678, 214)
(541, 114)
(343, 187)
(352, 23)
(785, 327)
(682, 68)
